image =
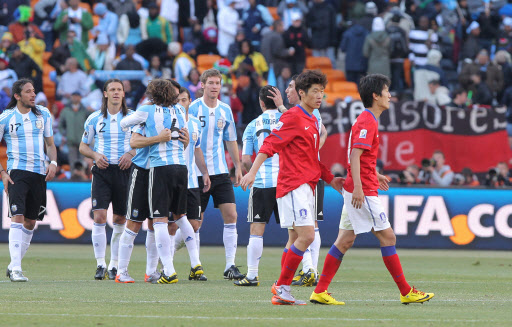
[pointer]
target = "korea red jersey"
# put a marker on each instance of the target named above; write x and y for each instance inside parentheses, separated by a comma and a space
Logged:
(365, 135)
(296, 138)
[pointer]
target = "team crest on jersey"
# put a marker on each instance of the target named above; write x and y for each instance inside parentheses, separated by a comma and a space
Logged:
(303, 213)
(14, 208)
(362, 134)
(39, 124)
(279, 125)
(125, 129)
(194, 137)
(220, 124)
(135, 213)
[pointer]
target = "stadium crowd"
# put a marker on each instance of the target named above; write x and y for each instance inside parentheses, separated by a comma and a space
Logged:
(446, 52)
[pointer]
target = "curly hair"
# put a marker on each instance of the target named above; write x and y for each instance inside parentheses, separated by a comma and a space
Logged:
(161, 92)
(17, 87)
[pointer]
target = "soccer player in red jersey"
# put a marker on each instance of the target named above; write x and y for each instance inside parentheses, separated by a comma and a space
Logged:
(296, 140)
(362, 211)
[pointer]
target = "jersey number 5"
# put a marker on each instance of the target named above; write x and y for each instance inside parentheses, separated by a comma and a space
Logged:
(203, 121)
(17, 126)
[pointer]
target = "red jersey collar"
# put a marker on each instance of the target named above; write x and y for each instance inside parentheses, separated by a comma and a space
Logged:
(370, 113)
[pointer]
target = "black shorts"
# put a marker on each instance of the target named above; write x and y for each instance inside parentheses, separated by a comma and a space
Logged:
(110, 185)
(221, 191)
(319, 201)
(194, 204)
(262, 202)
(168, 190)
(138, 205)
(27, 196)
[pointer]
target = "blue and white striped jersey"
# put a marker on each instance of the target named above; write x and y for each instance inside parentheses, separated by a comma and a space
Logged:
(141, 158)
(218, 125)
(24, 135)
(158, 118)
(194, 132)
(254, 135)
(316, 113)
(110, 139)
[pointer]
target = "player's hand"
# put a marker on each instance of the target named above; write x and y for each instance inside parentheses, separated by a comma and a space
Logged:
(383, 182)
(238, 176)
(337, 183)
(358, 197)
(125, 161)
(165, 135)
(184, 138)
(276, 96)
(247, 180)
(207, 183)
(50, 172)
(6, 179)
(101, 161)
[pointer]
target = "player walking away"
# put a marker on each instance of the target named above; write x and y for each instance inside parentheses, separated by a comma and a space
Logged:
(27, 130)
(308, 275)
(218, 126)
(296, 140)
(262, 199)
(362, 210)
(188, 234)
(112, 156)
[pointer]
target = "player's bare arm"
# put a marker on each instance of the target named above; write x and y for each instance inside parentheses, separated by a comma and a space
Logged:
(355, 165)
(184, 137)
(383, 181)
(6, 179)
(51, 151)
(278, 99)
(126, 160)
(201, 165)
(100, 159)
(138, 141)
(233, 152)
(249, 178)
(246, 162)
(323, 135)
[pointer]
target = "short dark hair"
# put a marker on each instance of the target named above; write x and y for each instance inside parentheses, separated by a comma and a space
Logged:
(458, 91)
(306, 79)
(175, 84)
(264, 97)
(185, 90)
(370, 84)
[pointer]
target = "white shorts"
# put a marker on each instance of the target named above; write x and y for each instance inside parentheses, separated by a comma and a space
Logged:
(370, 216)
(296, 207)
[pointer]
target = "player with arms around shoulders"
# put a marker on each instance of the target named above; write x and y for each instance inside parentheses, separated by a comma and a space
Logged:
(112, 157)
(218, 125)
(262, 199)
(27, 130)
(362, 210)
(296, 140)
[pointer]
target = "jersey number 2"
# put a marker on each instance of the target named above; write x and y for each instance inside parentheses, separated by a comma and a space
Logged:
(102, 127)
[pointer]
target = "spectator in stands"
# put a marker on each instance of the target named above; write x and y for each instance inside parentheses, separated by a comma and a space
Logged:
(338, 170)
(73, 80)
(460, 99)
(108, 22)
(402, 19)
(7, 75)
(481, 92)
(399, 50)
(489, 27)
(32, 46)
(45, 15)
(376, 48)
(156, 70)
(505, 39)
(421, 40)
(102, 52)
(8, 7)
(4, 97)
(436, 173)
(506, 100)
(131, 96)
(410, 175)
(472, 44)
(71, 126)
(499, 176)
(23, 23)
(169, 11)
(247, 92)
(252, 58)
(491, 73)
(227, 29)
(273, 48)
(193, 83)
(207, 39)
(25, 67)
(157, 26)
(370, 12)
(287, 7)
(70, 47)
(78, 173)
(503, 60)
(424, 74)
(352, 45)
(439, 95)
(120, 7)
(74, 18)
(297, 37)
(184, 61)
(6, 42)
(253, 23)
(466, 178)
(209, 18)
(129, 62)
(129, 29)
(234, 48)
(321, 19)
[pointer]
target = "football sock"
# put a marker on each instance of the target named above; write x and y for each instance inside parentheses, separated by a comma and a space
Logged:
(254, 252)
(151, 253)
(25, 240)
(306, 261)
(293, 259)
(331, 265)
(283, 257)
(125, 249)
(392, 262)
(315, 249)
(15, 240)
(172, 239)
(230, 238)
(177, 240)
(163, 247)
(114, 245)
(198, 241)
(99, 242)
(188, 234)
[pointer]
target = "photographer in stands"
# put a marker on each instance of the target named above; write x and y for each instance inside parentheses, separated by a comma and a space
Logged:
(410, 175)
(466, 178)
(499, 176)
(435, 172)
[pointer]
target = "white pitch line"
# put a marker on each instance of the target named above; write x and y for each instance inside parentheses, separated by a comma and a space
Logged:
(269, 281)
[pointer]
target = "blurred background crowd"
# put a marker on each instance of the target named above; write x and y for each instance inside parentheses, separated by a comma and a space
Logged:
(445, 52)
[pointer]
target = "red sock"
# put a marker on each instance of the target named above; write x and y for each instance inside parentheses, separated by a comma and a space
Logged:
(283, 257)
(392, 262)
(331, 265)
(291, 262)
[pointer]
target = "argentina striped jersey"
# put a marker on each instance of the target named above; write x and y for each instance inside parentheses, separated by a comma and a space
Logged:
(24, 135)
(254, 135)
(141, 158)
(194, 133)
(110, 139)
(218, 125)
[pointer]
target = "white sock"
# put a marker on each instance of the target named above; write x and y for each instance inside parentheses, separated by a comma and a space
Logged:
(254, 252)
(99, 242)
(307, 263)
(315, 249)
(114, 245)
(15, 241)
(25, 240)
(125, 249)
(188, 234)
(151, 253)
(230, 238)
(172, 239)
(163, 247)
(198, 242)
(178, 240)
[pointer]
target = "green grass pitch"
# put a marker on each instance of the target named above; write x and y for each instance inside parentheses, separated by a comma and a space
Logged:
(473, 288)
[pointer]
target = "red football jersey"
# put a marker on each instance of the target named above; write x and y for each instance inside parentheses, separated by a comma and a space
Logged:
(296, 138)
(364, 134)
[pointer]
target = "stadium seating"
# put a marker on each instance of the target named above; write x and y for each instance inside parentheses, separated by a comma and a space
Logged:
(273, 12)
(343, 87)
(206, 61)
(318, 63)
(334, 75)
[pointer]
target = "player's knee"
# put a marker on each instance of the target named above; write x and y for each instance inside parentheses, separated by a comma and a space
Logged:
(118, 219)
(29, 224)
(230, 217)
(308, 238)
(172, 228)
(345, 244)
